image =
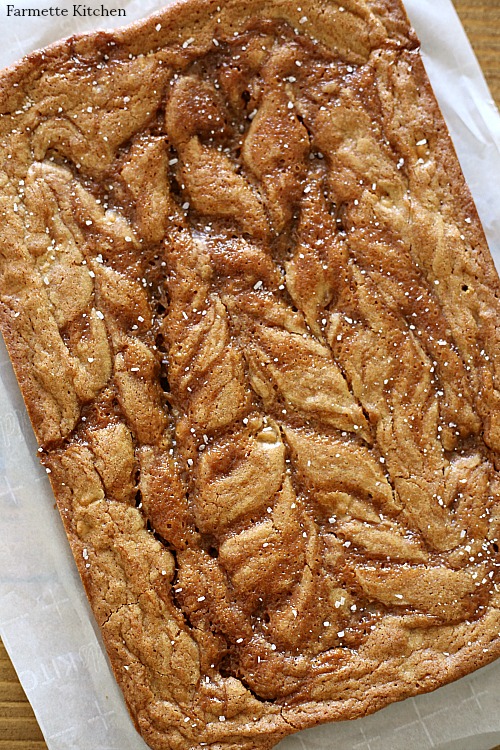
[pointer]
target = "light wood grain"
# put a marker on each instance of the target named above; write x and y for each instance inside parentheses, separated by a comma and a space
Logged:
(18, 727)
(481, 21)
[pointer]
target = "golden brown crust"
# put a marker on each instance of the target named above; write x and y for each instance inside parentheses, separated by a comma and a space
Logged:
(255, 322)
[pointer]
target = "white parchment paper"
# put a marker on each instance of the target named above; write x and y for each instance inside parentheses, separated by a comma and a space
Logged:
(45, 621)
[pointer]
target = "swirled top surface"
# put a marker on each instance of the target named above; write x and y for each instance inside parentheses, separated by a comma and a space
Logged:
(255, 322)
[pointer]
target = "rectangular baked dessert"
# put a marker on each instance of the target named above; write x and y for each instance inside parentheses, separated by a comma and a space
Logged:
(255, 322)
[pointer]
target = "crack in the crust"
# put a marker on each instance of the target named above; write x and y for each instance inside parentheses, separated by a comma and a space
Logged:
(127, 605)
(173, 585)
(252, 692)
(290, 724)
(119, 609)
(235, 340)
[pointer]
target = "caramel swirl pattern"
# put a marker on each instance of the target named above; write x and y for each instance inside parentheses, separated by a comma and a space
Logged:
(263, 369)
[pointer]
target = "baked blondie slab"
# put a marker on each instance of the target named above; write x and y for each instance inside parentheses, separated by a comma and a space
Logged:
(255, 322)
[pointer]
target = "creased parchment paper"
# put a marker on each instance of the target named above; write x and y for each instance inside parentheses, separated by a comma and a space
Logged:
(45, 621)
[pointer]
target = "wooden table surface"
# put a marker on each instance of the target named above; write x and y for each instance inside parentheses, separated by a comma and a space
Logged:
(18, 727)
